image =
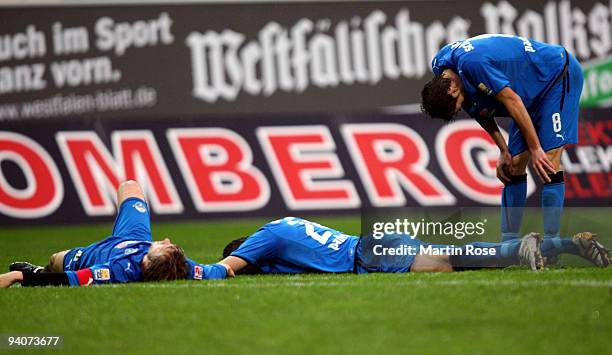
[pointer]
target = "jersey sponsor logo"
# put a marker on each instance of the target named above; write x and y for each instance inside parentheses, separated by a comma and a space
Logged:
(140, 207)
(129, 251)
(198, 271)
(102, 274)
(125, 244)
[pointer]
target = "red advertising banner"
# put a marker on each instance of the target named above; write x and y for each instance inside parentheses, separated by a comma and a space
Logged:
(274, 165)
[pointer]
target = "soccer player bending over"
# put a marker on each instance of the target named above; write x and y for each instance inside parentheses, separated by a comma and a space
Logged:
(293, 245)
(539, 86)
(128, 255)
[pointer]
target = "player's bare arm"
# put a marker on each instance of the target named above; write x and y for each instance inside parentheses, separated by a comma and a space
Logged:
(518, 112)
(6, 280)
(504, 162)
(233, 264)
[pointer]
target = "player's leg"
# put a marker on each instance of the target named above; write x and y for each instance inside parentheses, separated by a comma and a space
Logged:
(514, 193)
(557, 126)
(525, 251)
(25, 266)
(133, 218)
(553, 196)
(56, 262)
(583, 244)
(431, 263)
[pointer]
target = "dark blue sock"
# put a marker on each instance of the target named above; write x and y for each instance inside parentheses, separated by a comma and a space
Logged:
(555, 245)
(505, 254)
(553, 195)
(512, 206)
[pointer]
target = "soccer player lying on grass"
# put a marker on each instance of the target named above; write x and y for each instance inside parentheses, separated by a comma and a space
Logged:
(539, 86)
(128, 255)
(293, 245)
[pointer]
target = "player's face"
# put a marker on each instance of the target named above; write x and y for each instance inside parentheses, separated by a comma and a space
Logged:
(456, 88)
(161, 246)
(459, 102)
(456, 92)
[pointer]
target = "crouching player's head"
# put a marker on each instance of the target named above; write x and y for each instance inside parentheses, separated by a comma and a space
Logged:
(164, 261)
(442, 96)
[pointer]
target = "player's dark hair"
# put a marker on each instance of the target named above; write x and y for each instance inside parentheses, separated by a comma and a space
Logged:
(233, 245)
(250, 269)
(436, 102)
(170, 265)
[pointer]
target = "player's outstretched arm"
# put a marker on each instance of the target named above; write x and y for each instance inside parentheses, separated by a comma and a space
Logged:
(6, 280)
(513, 103)
(35, 279)
(217, 271)
(233, 263)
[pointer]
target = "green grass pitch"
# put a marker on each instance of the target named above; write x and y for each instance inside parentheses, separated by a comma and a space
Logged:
(559, 311)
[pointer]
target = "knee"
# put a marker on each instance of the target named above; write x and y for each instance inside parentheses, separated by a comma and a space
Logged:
(443, 267)
(428, 263)
(53, 262)
(519, 164)
(56, 261)
(129, 184)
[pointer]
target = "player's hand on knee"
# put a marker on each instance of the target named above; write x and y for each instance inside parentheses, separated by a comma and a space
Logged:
(504, 167)
(542, 165)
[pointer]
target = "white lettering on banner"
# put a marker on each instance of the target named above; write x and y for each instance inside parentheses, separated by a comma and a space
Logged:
(582, 33)
(22, 45)
(366, 50)
(120, 36)
(315, 52)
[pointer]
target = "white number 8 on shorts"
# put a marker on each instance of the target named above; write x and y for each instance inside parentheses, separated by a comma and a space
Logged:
(556, 121)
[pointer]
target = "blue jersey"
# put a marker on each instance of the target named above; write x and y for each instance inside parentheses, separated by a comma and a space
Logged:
(293, 245)
(118, 258)
(488, 63)
(198, 271)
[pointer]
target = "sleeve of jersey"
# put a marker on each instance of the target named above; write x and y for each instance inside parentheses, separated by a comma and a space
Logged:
(441, 60)
(259, 246)
(485, 76)
(97, 274)
(205, 272)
